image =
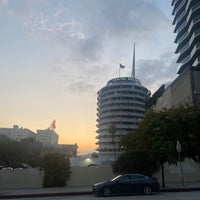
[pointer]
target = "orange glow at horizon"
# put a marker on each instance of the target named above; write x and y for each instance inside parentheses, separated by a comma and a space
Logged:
(71, 127)
(81, 132)
(87, 144)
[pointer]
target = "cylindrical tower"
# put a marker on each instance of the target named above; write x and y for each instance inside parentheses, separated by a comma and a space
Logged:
(121, 106)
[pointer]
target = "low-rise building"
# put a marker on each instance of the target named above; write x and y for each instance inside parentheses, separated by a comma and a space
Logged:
(68, 149)
(17, 133)
(47, 137)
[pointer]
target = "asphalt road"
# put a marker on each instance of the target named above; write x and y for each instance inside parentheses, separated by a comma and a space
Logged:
(161, 196)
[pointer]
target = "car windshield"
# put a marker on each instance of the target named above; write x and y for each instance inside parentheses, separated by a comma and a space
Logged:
(116, 178)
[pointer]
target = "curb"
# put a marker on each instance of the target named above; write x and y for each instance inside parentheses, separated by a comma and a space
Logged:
(179, 189)
(16, 196)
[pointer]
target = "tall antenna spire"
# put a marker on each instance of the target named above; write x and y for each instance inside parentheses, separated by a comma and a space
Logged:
(133, 69)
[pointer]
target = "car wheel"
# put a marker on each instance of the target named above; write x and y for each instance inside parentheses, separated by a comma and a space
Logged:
(107, 192)
(147, 189)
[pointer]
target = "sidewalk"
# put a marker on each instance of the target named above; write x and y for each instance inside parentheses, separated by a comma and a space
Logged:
(70, 191)
(42, 192)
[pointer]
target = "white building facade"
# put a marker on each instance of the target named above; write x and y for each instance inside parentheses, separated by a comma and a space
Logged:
(47, 137)
(17, 133)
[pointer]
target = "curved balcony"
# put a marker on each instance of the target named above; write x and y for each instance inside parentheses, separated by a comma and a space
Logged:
(118, 120)
(139, 91)
(189, 8)
(134, 103)
(186, 25)
(180, 17)
(194, 36)
(177, 6)
(116, 110)
(188, 51)
(109, 140)
(124, 114)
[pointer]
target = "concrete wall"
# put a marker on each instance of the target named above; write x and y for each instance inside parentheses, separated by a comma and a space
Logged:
(164, 101)
(33, 177)
(178, 92)
(191, 174)
(24, 178)
(181, 89)
(87, 176)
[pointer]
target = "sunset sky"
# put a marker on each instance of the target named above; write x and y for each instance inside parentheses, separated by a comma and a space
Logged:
(56, 54)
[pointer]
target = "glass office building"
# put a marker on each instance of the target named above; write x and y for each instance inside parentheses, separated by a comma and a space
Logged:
(187, 27)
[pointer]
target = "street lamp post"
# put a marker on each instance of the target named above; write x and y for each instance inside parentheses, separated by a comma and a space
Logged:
(178, 148)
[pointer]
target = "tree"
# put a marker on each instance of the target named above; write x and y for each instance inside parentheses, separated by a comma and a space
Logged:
(15, 153)
(187, 127)
(33, 151)
(160, 130)
(12, 153)
(56, 170)
(135, 162)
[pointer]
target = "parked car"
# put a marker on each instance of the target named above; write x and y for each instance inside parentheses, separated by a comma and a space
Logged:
(127, 184)
(7, 169)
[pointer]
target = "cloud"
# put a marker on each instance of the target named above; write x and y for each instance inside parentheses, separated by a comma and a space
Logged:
(96, 25)
(155, 72)
(4, 1)
(88, 38)
(86, 80)
(58, 13)
(80, 87)
(125, 20)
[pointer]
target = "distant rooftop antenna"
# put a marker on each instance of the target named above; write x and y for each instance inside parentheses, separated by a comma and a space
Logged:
(133, 67)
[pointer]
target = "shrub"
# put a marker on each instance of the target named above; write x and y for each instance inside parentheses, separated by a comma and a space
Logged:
(56, 170)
